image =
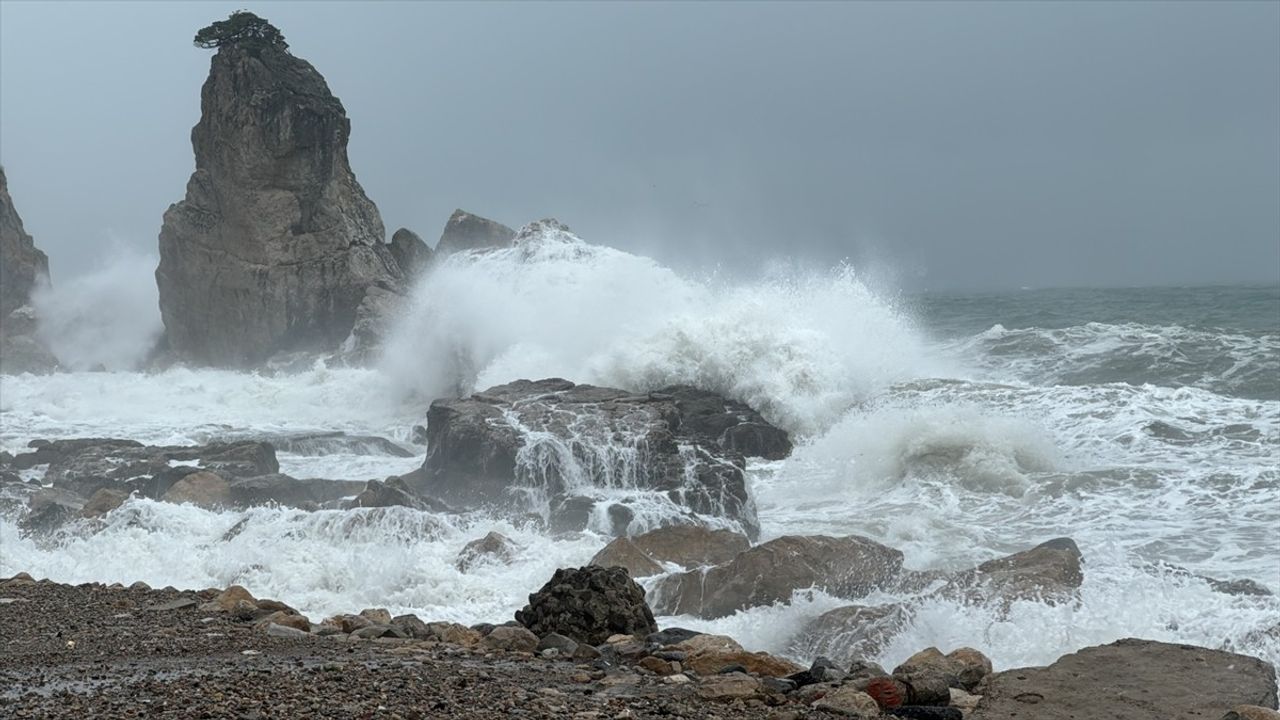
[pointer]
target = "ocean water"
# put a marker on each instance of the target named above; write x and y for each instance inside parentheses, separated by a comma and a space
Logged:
(1143, 423)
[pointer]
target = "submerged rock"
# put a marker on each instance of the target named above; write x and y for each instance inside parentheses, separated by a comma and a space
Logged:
(275, 245)
(848, 566)
(589, 605)
(851, 633)
(493, 548)
(559, 445)
(1049, 572)
(1130, 680)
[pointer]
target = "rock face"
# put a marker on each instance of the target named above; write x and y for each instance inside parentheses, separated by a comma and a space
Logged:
(589, 605)
(411, 253)
(845, 566)
(1130, 680)
(465, 231)
(275, 245)
(21, 264)
(561, 449)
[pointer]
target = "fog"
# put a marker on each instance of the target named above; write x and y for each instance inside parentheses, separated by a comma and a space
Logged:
(951, 145)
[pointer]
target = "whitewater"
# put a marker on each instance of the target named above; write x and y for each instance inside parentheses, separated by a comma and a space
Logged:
(1144, 424)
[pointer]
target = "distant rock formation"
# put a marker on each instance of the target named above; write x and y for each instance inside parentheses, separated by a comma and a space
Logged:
(465, 231)
(21, 263)
(22, 267)
(275, 245)
(410, 252)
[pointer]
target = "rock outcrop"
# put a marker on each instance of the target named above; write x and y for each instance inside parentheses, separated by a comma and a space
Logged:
(22, 268)
(566, 449)
(465, 231)
(22, 265)
(275, 246)
(848, 566)
(685, 545)
(411, 253)
(589, 605)
(1130, 680)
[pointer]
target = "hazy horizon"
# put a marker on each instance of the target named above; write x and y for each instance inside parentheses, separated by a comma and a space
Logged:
(946, 147)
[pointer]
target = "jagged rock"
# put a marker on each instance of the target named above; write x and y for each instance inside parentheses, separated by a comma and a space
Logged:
(565, 433)
(465, 231)
(622, 552)
(411, 253)
(850, 633)
(588, 604)
(1130, 680)
(1050, 572)
(492, 548)
(391, 493)
(22, 265)
(848, 566)
(732, 424)
(48, 509)
(275, 245)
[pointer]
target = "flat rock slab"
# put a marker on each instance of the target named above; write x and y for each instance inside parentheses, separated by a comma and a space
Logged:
(1130, 680)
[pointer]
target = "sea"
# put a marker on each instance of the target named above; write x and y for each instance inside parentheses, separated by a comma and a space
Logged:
(1144, 423)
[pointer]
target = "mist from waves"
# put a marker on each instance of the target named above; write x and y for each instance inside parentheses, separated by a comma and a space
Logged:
(799, 347)
(108, 318)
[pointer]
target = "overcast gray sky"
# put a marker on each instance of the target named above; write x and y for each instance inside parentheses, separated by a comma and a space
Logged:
(964, 145)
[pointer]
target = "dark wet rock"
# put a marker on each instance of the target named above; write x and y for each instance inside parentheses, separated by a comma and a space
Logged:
(565, 646)
(275, 245)
(590, 605)
(730, 424)
(493, 548)
(848, 566)
(465, 231)
(22, 265)
(411, 253)
(393, 492)
(477, 457)
(289, 491)
(330, 443)
(1130, 680)
(1050, 572)
(671, 636)
(48, 509)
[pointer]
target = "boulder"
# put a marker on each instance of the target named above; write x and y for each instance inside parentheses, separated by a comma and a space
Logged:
(465, 231)
(411, 253)
(493, 548)
(275, 245)
(1130, 680)
(22, 265)
(48, 509)
(729, 423)
(728, 686)
(202, 489)
(393, 492)
(589, 605)
(622, 552)
(563, 445)
(848, 701)
(103, 501)
(512, 639)
(708, 662)
(852, 633)
(769, 573)
(291, 492)
(1050, 572)
(692, 546)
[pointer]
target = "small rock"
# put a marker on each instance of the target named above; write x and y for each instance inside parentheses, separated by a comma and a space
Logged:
(963, 700)
(656, 666)
(281, 631)
(377, 616)
(494, 548)
(181, 603)
(728, 687)
(226, 600)
(677, 679)
(1251, 712)
(849, 702)
(556, 641)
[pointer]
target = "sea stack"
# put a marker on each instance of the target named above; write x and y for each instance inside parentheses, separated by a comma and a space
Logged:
(22, 265)
(275, 245)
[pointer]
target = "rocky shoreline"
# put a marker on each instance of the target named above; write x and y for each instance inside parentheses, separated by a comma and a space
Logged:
(94, 650)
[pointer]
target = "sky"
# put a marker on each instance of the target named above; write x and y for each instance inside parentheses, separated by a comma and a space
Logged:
(951, 145)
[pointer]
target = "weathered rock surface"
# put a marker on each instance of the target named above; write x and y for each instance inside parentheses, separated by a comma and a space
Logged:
(691, 546)
(1130, 680)
(22, 265)
(848, 566)
(589, 605)
(465, 231)
(411, 253)
(1050, 572)
(563, 442)
(275, 245)
(622, 552)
